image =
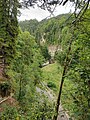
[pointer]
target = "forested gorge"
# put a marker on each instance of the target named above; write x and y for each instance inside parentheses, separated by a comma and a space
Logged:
(33, 81)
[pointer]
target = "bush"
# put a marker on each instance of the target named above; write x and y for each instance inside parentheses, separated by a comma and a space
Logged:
(9, 113)
(51, 84)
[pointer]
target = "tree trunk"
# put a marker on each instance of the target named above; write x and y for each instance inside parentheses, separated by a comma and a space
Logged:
(59, 95)
(20, 88)
(67, 63)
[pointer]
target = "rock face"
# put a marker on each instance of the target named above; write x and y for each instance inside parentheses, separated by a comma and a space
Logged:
(45, 92)
(53, 48)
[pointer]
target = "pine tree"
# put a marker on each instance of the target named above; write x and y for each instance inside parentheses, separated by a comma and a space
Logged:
(8, 29)
(8, 34)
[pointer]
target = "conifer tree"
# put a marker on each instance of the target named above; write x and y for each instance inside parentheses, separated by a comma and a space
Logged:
(8, 34)
(8, 30)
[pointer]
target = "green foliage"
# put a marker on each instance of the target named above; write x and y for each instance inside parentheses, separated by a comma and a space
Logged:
(60, 57)
(50, 84)
(49, 29)
(24, 57)
(4, 85)
(25, 67)
(51, 76)
(45, 52)
(8, 29)
(66, 36)
(40, 108)
(78, 70)
(9, 113)
(29, 25)
(25, 74)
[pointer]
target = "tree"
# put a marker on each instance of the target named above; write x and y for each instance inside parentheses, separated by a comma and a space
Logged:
(29, 25)
(76, 67)
(80, 66)
(25, 74)
(26, 66)
(45, 52)
(46, 30)
(67, 53)
(9, 29)
(47, 5)
(8, 34)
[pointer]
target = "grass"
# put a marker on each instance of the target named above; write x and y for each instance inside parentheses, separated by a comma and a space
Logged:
(52, 74)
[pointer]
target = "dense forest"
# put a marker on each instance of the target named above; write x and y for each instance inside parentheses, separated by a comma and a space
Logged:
(44, 66)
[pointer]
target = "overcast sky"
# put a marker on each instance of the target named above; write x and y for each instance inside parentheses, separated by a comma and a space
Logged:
(39, 14)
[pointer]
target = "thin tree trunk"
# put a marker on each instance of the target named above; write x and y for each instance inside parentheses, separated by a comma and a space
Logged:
(20, 88)
(59, 95)
(67, 62)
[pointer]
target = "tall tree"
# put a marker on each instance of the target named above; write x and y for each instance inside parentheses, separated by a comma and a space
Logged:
(76, 67)
(8, 33)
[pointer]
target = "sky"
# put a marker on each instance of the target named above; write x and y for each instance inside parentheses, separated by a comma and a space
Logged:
(39, 14)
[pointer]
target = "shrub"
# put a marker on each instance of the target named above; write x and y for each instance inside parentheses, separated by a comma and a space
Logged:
(51, 84)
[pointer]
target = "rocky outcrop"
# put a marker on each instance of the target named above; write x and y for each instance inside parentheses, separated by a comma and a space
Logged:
(53, 49)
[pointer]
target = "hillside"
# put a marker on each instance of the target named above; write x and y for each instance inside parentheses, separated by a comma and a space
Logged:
(47, 29)
(44, 66)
